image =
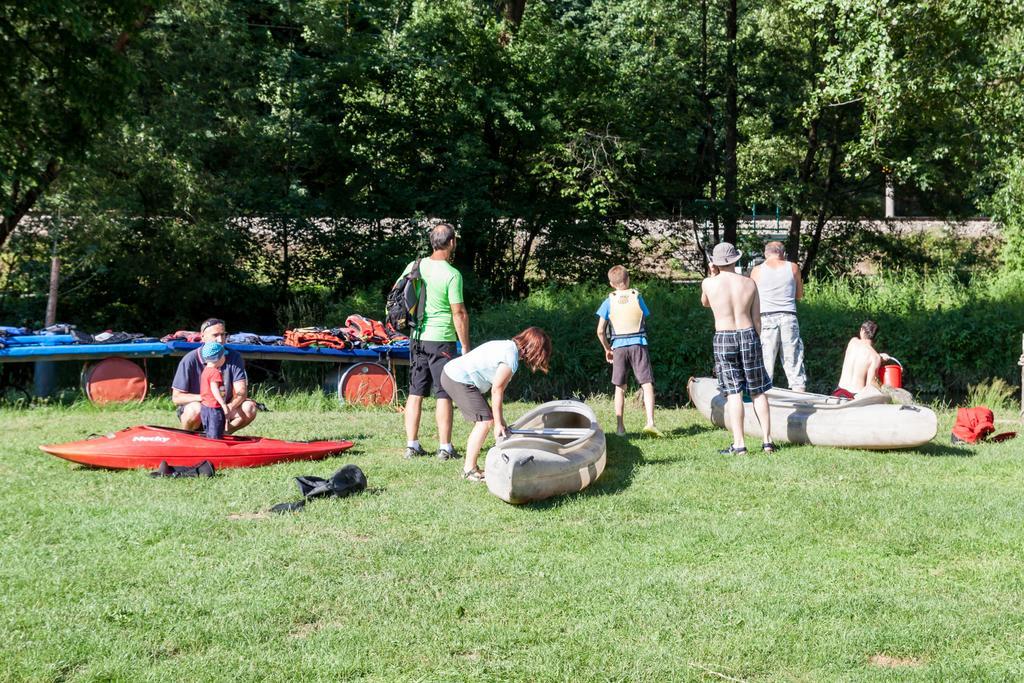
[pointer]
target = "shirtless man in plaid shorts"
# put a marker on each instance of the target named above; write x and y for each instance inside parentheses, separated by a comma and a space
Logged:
(739, 362)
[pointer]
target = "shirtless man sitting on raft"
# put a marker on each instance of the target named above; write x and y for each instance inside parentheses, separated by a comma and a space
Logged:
(739, 362)
(860, 366)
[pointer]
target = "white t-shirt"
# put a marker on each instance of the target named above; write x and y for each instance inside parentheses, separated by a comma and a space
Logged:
(479, 366)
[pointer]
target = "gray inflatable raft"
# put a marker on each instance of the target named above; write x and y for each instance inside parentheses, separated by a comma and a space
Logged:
(871, 422)
(554, 449)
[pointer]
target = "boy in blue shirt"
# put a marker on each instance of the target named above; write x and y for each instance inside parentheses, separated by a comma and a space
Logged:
(621, 319)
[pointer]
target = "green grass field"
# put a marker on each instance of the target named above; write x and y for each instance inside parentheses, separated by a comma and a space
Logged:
(679, 564)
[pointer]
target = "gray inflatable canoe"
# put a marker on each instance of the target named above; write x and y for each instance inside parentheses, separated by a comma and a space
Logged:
(870, 423)
(554, 449)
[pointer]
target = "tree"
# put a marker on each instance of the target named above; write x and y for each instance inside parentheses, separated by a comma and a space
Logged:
(65, 76)
(731, 120)
(314, 137)
(873, 88)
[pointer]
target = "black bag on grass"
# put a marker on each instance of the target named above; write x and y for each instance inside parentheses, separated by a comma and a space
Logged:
(203, 469)
(345, 482)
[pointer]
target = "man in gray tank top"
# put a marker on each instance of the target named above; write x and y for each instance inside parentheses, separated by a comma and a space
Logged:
(779, 286)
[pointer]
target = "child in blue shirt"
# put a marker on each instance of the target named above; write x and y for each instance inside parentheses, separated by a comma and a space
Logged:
(622, 331)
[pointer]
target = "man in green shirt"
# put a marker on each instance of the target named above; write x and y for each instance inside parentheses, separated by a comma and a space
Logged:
(445, 319)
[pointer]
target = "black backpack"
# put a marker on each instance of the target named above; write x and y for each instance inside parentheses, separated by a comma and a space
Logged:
(406, 300)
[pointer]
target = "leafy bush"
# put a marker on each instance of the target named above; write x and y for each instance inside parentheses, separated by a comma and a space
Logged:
(950, 335)
(1008, 208)
(947, 334)
(995, 394)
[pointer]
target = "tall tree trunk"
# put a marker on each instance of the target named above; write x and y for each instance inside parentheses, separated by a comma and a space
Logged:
(823, 207)
(706, 144)
(519, 278)
(702, 248)
(21, 203)
(51, 298)
(285, 259)
(731, 122)
(512, 11)
(809, 165)
(708, 149)
(805, 174)
(793, 240)
(715, 215)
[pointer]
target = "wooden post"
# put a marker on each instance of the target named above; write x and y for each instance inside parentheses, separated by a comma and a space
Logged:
(890, 197)
(51, 299)
(44, 377)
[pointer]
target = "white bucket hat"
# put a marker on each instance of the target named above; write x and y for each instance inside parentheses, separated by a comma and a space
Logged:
(725, 254)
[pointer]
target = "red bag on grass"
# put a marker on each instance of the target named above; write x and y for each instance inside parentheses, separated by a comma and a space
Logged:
(975, 424)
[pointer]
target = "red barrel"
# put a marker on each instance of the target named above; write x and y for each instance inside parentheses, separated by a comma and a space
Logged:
(891, 376)
(363, 384)
(114, 380)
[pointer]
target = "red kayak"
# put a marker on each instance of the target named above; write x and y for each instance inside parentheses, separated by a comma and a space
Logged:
(147, 446)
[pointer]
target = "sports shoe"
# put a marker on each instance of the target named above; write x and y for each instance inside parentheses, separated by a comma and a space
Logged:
(443, 454)
(411, 452)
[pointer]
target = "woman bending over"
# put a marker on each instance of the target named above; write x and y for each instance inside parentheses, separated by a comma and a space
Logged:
(489, 367)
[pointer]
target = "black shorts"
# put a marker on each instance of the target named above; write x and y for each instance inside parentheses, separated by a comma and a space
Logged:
(739, 362)
(426, 362)
(635, 357)
(468, 398)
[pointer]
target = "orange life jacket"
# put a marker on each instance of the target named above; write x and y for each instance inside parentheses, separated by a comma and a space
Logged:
(367, 329)
(305, 337)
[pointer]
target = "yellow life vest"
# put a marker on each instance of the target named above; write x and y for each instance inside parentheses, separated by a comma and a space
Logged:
(625, 316)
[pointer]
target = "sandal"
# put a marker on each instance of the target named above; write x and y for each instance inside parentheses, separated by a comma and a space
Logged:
(732, 450)
(475, 474)
(769, 447)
